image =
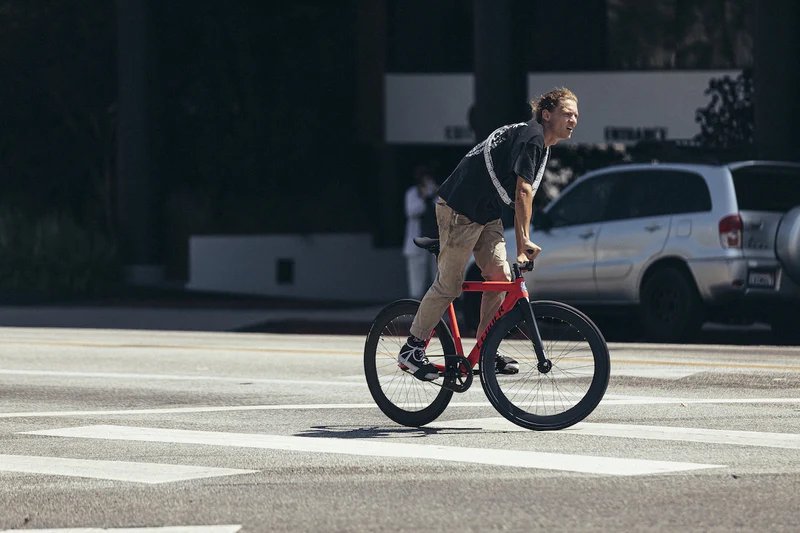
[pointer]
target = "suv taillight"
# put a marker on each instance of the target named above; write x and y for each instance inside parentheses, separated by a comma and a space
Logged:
(730, 231)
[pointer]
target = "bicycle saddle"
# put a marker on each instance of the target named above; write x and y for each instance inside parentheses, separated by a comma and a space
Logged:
(426, 243)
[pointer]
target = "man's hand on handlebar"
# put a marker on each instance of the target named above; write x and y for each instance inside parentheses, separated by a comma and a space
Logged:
(528, 252)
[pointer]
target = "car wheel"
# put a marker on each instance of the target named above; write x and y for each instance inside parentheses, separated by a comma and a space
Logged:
(787, 243)
(670, 307)
(786, 326)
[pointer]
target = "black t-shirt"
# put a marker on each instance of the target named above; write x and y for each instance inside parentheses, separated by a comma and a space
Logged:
(486, 178)
(427, 221)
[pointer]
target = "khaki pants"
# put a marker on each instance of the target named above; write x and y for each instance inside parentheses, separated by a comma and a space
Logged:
(459, 237)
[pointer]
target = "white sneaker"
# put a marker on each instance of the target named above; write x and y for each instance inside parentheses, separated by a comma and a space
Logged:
(413, 358)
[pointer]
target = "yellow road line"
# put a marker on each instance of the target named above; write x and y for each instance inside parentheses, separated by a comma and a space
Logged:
(721, 364)
(178, 347)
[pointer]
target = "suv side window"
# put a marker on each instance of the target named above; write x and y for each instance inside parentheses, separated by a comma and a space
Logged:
(587, 202)
(688, 192)
(645, 193)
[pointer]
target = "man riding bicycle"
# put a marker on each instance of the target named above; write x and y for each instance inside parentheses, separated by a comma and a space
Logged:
(506, 168)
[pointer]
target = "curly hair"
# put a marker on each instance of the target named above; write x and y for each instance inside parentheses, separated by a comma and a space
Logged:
(550, 100)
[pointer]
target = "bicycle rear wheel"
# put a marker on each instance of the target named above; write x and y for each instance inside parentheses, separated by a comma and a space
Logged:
(570, 390)
(401, 396)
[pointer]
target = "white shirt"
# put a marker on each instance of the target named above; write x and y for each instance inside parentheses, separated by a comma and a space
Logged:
(415, 207)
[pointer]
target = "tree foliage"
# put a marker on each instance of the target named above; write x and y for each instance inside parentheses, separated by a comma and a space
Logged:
(683, 34)
(250, 105)
(728, 121)
(57, 63)
(256, 114)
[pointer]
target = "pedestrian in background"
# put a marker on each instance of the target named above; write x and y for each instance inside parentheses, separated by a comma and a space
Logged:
(420, 222)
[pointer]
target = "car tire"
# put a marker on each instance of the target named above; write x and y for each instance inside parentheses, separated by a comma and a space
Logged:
(670, 307)
(787, 244)
(786, 326)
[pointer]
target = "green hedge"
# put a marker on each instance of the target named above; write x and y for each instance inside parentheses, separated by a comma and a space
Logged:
(52, 255)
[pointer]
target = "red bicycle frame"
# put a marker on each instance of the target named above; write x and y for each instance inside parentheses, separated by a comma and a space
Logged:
(515, 291)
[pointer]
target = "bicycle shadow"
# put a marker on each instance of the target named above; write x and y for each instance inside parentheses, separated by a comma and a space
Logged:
(378, 432)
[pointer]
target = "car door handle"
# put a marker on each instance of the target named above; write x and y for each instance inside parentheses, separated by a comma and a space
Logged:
(587, 235)
(654, 227)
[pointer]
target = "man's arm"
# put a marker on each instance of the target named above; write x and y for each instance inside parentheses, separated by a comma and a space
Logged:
(523, 211)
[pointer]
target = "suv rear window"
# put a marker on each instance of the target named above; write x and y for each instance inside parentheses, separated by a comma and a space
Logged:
(763, 188)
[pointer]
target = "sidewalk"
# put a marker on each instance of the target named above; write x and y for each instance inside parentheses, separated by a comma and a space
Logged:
(189, 311)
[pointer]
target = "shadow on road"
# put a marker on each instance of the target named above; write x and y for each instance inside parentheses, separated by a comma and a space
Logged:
(349, 432)
(711, 333)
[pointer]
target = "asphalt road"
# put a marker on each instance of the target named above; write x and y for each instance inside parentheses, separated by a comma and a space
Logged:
(225, 432)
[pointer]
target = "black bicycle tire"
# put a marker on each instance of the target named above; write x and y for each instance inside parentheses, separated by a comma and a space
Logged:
(395, 412)
(593, 395)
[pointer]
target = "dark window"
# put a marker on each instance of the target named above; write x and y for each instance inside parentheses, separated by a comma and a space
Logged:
(585, 203)
(431, 37)
(647, 193)
(763, 188)
(691, 194)
(285, 271)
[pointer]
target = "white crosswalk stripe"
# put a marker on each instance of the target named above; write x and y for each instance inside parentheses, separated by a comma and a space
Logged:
(154, 473)
(635, 431)
(113, 470)
(513, 458)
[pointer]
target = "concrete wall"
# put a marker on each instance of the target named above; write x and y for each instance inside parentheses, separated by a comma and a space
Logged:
(318, 266)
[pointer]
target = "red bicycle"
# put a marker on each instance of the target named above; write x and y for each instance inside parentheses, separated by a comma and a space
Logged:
(563, 359)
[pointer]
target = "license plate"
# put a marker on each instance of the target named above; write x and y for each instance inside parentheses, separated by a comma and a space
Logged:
(761, 279)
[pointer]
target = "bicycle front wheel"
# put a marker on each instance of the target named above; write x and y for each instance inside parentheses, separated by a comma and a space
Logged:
(565, 394)
(401, 396)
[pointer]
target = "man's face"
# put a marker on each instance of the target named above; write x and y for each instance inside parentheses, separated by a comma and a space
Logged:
(563, 119)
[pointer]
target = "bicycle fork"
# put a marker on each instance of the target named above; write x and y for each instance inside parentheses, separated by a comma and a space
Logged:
(545, 365)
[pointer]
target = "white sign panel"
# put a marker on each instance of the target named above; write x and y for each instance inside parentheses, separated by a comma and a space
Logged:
(630, 106)
(622, 107)
(423, 108)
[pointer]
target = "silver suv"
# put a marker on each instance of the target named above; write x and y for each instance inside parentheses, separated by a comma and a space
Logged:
(678, 243)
